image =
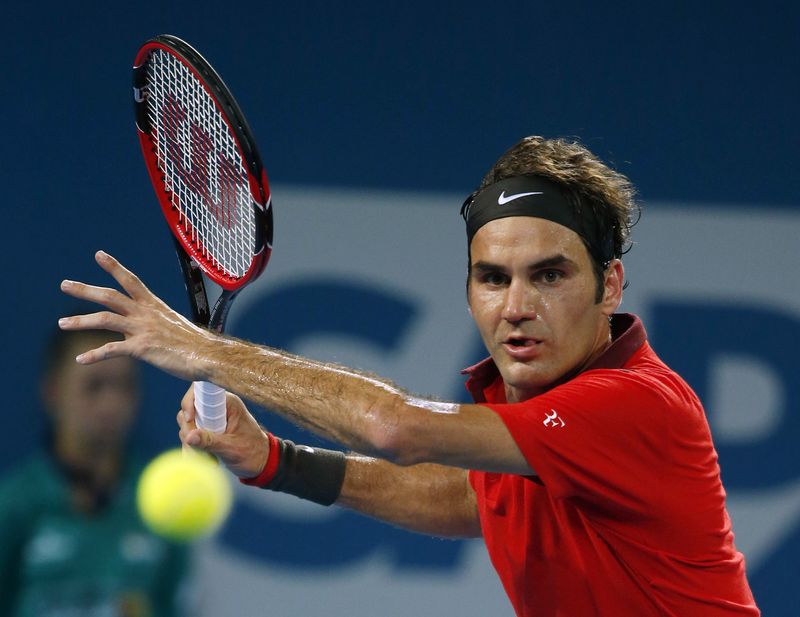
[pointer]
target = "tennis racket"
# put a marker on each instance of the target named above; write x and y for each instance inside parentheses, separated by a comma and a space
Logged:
(207, 174)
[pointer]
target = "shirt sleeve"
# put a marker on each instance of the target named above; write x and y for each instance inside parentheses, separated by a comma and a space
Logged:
(602, 439)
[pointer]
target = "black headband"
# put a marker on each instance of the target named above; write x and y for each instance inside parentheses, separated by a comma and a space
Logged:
(540, 198)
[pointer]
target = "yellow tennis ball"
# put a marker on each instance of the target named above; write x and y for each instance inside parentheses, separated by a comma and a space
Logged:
(183, 495)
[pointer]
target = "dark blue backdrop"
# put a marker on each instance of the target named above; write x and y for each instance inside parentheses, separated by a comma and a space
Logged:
(695, 101)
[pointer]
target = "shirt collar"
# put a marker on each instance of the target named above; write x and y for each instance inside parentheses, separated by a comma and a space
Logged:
(627, 335)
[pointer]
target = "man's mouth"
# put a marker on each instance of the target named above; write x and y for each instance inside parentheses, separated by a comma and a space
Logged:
(522, 348)
(521, 341)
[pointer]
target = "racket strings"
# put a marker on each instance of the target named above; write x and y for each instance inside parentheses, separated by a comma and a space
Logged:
(202, 166)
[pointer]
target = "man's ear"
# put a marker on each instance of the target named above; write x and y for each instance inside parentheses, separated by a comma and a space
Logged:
(613, 282)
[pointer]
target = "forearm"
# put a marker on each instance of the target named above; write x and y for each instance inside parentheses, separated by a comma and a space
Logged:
(359, 411)
(337, 403)
(427, 498)
(363, 413)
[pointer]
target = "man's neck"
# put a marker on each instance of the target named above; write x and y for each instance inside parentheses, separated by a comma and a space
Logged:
(95, 462)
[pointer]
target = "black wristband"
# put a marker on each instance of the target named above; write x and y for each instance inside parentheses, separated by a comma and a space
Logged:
(314, 474)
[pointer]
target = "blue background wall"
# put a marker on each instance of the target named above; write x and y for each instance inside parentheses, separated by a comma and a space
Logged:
(696, 102)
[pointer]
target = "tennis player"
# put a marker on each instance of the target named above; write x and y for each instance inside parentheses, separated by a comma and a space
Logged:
(586, 464)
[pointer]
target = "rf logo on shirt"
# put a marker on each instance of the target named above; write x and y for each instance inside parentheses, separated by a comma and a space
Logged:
(553, 419)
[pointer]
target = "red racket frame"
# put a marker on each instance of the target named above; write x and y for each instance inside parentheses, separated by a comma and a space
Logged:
(236, 122)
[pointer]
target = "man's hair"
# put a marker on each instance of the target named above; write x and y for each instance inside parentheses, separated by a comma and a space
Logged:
(592, 186)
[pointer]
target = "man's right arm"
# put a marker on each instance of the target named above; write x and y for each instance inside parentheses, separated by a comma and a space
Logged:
(432, 499)
(427, 498)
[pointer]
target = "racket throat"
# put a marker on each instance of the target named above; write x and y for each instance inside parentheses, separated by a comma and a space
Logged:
(222, 306)
(195, 286)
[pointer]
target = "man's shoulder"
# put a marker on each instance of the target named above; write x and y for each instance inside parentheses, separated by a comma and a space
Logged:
(643, 381)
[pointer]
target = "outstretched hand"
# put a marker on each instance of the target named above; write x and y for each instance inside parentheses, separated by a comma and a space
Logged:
(153, 331)
(243, 447)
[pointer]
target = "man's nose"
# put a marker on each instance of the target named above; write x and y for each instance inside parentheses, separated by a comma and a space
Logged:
(520, 304)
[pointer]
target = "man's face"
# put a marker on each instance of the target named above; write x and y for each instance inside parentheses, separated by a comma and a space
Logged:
(93, 404)
(532, 294)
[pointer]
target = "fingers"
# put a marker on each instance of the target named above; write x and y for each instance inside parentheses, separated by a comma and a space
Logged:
(201, 440)
(185, 426)
(103, 320)
(106, 296)
(191, 436)
(127, 279)
(187, 404)
(242, 448)
(111, 298)
(113, 349)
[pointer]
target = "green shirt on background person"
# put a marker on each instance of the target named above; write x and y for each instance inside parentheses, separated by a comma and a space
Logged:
(59, 562)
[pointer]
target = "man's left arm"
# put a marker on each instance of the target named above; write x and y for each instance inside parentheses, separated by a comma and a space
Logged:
(359, 411)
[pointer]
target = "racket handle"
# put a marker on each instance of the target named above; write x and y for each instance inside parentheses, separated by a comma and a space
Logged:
(209, 402)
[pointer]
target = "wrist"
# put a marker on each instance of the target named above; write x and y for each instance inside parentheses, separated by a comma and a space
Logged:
(270, 467)
(208, 356)
(314, 474)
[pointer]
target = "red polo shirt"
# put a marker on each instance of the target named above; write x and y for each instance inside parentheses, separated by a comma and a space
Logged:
(626, 515)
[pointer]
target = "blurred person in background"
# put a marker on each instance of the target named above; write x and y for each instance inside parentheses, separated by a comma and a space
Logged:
(71, 541)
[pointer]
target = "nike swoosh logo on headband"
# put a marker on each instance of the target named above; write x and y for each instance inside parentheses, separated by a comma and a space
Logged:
(502, 200)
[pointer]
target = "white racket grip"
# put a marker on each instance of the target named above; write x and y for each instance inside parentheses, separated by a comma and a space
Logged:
(209, 402)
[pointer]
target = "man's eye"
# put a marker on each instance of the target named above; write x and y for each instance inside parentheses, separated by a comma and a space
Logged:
(551, 276)
(494, 278)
